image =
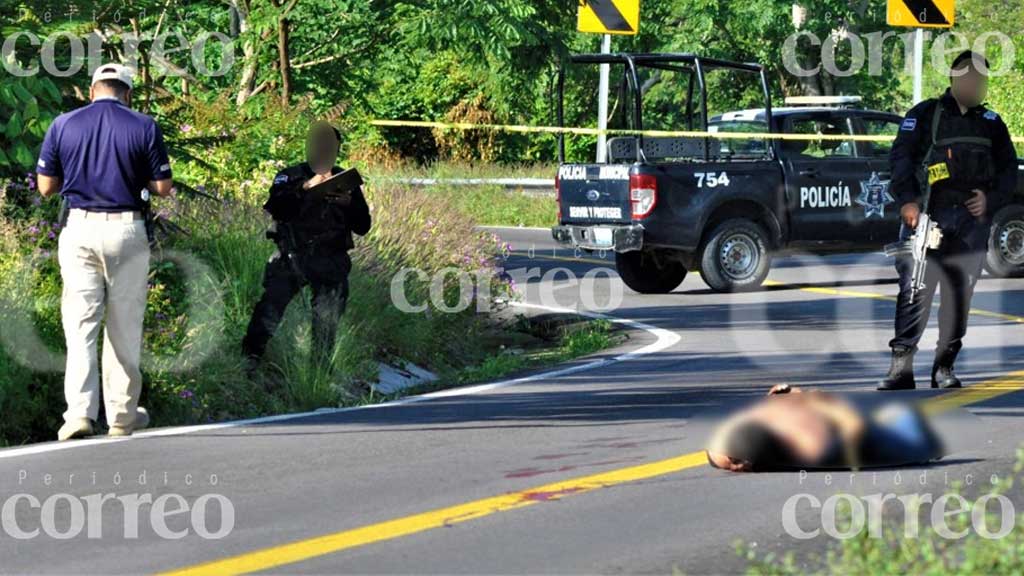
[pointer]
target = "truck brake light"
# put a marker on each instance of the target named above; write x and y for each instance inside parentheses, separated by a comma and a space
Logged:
(643, 194)
(558, 199)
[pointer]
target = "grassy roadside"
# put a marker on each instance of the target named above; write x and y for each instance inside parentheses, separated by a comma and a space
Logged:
(453, 169)
(485, 204)
(970, 542)
(538, 342)
(497, 206)
(204, 282)
(527, 344)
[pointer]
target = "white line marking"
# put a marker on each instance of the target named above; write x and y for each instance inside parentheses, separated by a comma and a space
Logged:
(664, 339)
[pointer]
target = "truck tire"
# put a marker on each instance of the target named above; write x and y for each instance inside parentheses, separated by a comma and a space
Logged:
(735, 256)
(1005, 258)
(644, 273)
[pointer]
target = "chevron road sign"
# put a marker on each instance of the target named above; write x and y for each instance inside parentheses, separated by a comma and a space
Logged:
(609, 16)
(921, 13)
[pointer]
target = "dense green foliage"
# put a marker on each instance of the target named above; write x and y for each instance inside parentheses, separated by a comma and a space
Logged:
(444, 59)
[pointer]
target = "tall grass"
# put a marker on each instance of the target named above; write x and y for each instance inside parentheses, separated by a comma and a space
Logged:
(203, 286)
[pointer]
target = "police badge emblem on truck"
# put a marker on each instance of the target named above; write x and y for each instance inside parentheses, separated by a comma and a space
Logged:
(874, 196)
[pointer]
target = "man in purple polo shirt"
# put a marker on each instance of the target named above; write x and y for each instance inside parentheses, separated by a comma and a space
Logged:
(105, 159)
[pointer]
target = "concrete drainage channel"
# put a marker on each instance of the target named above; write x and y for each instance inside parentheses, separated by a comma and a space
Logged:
(394, 379)
(519, 328)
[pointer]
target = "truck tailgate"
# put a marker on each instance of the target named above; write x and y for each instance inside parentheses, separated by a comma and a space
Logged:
(594, 193)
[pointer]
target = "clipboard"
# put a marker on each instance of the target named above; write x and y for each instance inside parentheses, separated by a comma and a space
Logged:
(338, 188)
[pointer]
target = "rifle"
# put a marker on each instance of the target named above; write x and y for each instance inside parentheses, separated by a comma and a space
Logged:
(927, 235)
(164, 225)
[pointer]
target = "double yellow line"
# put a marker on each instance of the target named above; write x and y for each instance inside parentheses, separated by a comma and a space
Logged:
(269, 558)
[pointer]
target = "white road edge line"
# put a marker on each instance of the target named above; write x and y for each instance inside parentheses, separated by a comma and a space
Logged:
(664, 339)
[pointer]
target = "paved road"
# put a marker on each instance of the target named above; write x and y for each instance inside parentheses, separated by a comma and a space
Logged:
(593, 469)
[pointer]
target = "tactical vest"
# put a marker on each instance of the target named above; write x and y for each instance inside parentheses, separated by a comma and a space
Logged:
(322, 226)
(960, 157)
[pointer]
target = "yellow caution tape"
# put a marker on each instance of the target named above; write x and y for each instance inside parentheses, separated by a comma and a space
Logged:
(618, 132)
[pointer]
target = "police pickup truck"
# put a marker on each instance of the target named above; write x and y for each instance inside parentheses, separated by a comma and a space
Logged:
(723, 206)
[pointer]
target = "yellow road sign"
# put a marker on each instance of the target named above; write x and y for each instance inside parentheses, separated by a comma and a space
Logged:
(921, 13)
(609, 16)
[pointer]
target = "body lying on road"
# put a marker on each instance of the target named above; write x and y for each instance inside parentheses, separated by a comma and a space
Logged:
(795, 429)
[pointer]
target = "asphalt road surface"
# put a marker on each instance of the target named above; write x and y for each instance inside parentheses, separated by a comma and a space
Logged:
(589, 467)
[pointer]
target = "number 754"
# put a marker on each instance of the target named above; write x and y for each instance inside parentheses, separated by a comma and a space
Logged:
(711, 179)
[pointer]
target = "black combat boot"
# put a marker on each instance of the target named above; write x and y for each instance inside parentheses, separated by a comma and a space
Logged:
(901, 372)
(943, 377)
(942, 367)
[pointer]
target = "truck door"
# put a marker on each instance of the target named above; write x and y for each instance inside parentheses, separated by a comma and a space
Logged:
(823, 181)
(883, 218)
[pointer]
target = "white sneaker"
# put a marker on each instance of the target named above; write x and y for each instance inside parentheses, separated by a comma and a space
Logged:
(141, 421)
(75, 428)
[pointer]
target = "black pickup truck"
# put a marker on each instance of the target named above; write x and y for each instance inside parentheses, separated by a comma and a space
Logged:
(723, 206)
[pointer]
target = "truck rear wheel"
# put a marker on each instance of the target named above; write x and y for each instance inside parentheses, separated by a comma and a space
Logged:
(648, 273)
(1005, 258)
(735, 256)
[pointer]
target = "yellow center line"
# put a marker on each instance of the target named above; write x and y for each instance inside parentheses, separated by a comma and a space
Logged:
(307, 549)
(298, 551)
(980, 392)
(810, 289)
(876, 296)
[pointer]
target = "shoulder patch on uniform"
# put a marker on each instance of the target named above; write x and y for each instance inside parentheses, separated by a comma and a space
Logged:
(990, 115)
(909, 124)
(42, 163)
(280, 179)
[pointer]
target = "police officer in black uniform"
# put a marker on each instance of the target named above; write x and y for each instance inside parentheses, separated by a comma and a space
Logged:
(964, 150)
(313, 237)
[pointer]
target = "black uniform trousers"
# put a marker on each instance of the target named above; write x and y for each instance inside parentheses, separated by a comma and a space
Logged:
(326, 272)
(955, 266)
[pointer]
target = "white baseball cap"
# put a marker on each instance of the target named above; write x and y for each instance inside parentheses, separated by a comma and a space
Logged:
(117, 72)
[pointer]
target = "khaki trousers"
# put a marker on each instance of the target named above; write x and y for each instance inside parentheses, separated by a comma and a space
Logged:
(104, 264)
